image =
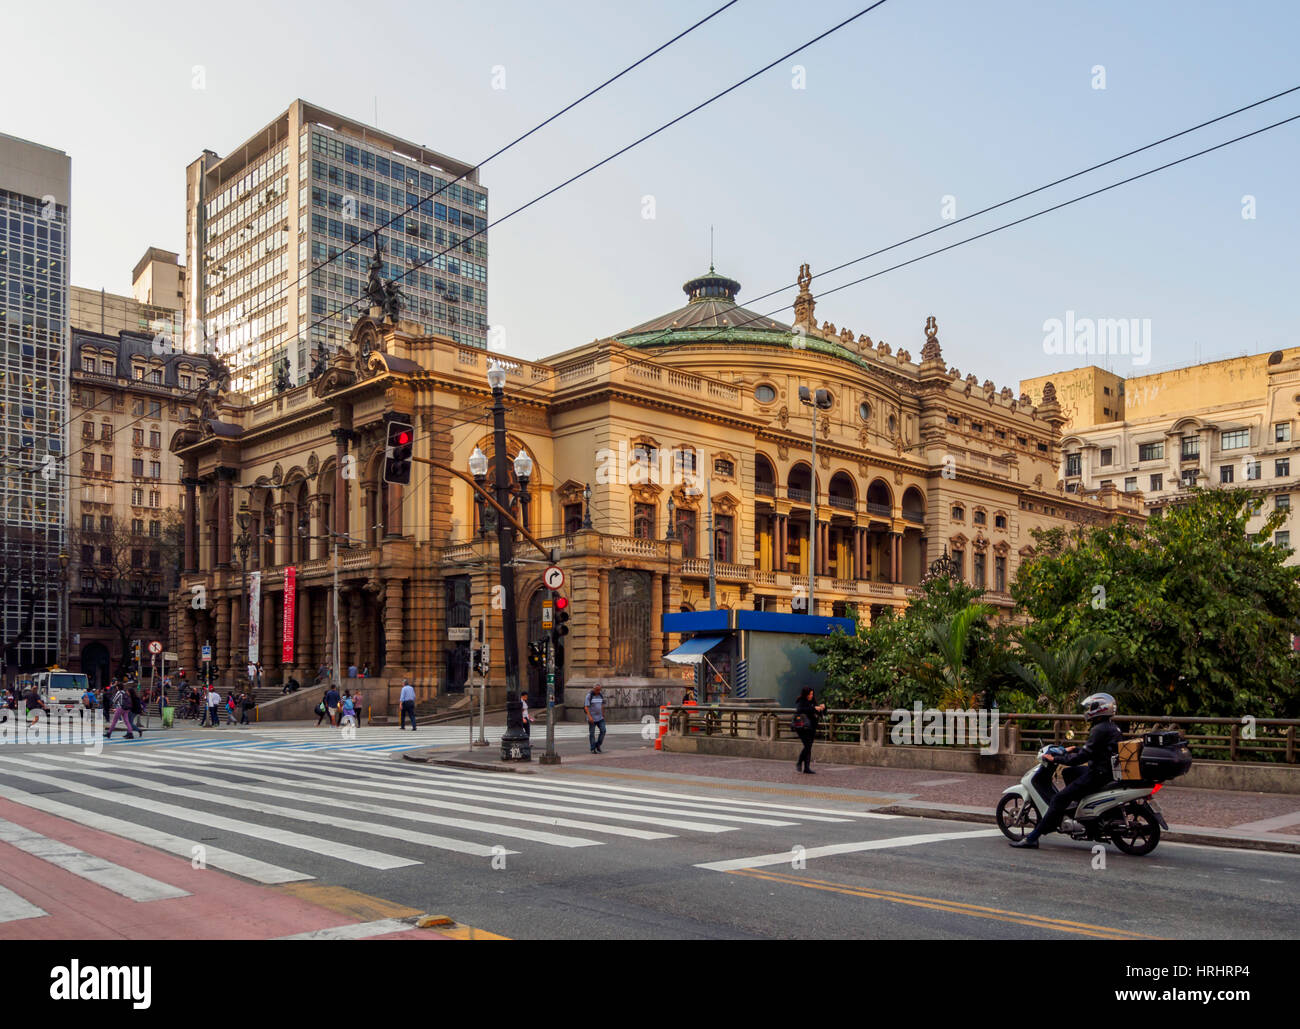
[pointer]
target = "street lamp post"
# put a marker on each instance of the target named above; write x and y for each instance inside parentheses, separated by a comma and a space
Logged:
(243, 543)
(514, 743)
(819, 399)
(65, 610)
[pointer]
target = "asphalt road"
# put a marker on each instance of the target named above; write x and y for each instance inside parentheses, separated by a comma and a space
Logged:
(592, 852)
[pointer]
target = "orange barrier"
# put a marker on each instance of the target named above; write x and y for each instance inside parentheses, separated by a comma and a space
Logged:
(663, 727)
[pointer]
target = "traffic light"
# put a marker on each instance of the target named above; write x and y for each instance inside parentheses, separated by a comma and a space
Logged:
(397, 455)
(561, 617)
(537, 654)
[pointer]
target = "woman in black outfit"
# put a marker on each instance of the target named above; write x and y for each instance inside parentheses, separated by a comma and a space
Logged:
(805, 708)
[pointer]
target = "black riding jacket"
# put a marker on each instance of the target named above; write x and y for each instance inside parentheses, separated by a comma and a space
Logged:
(1103, 743)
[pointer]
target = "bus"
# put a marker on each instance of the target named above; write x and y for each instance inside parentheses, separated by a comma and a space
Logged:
(60, 688)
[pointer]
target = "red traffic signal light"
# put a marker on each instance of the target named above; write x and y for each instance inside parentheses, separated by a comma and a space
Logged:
(561, 603)
(397, 455)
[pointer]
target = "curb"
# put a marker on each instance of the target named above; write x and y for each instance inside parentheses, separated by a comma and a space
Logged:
(1206, 839)
(452, 762)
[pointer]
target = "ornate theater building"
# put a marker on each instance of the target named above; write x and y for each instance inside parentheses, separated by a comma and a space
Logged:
(651, 449)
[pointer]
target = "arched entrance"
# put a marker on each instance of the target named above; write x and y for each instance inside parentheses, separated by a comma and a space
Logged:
(95, 662)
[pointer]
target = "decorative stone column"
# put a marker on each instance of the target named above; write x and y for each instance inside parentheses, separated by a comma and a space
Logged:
(222, 653)
(225, 514)
(268, 648)
(306, 654)
(602, 654)
(394, 658)
(191, 524)
(656, 621)
(284, 535)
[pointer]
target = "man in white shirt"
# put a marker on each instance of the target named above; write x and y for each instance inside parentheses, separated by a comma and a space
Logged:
(407, 700)
(214, 707)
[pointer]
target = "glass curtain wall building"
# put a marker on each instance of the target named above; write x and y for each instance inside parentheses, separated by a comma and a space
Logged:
(35, 188)
(262, 221)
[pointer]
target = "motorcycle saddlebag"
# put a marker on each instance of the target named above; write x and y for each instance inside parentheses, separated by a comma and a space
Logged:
(1160, 763)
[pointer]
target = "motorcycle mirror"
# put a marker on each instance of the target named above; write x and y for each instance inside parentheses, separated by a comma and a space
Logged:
(1069, 734)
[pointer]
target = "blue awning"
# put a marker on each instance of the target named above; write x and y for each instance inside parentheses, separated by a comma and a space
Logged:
(692, 651)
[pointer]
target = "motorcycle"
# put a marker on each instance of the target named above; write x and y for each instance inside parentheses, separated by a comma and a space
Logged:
(1123, 812)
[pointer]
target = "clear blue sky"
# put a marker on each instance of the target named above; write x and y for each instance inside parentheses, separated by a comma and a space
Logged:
(917, 100)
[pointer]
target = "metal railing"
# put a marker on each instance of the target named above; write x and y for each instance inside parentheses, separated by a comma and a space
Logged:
(1270, 741)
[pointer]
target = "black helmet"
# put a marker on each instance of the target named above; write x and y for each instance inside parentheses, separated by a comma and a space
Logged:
(1098, 706)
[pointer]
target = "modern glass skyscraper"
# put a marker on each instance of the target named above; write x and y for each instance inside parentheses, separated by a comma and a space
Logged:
(299, 192)
(35, 190)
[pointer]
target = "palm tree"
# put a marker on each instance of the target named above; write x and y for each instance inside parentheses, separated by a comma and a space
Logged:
(950, 673)
(1061, 677)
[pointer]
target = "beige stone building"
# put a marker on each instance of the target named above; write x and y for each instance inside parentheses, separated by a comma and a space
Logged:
(1155, 437)
(687, 422)
(124, 495)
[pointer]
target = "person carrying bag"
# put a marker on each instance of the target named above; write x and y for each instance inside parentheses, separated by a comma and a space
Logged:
(804, 725)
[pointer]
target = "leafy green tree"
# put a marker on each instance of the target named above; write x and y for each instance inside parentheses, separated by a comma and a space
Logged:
(1063, 676)
(949, 671)
(881, 666)
(1199, 612)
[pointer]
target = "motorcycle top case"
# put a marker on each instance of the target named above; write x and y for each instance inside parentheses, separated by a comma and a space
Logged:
(1163, 738)
(1160, 763)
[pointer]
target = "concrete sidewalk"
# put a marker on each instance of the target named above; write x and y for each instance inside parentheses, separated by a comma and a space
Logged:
(1261, 821)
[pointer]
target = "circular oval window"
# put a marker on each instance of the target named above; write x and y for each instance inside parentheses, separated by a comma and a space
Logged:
(864, 411)
(764, 394)
(893, 423)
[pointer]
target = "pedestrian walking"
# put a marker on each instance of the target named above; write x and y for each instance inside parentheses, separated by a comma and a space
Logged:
(245, 702)
(348, 715)
(407, 699)
(594, 705)
(121, 712)
(806, 712)
(332, 704)
(135, 709)
(214, 707)
(322, 709)
(528, 722)
(357, 707)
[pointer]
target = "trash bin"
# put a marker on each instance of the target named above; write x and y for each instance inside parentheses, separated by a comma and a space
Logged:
(168, 714)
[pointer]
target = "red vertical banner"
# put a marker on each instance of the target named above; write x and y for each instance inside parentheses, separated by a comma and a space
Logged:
(290, 581)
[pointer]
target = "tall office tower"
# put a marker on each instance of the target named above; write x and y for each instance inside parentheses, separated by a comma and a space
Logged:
(35, 190)
(261, 222)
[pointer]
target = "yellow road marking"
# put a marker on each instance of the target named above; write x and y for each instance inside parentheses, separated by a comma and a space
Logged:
(365, 908)
(360, 906)
(951, 906)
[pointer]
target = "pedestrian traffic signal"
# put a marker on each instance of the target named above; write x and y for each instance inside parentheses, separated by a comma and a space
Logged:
(537, 654)
(397, 455)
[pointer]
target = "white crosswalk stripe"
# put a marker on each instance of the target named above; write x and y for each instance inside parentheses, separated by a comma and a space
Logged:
(332, 798)
(362, 796)
(216, 857)
(383, 739)
(14, 908)
(122, 881)
(284, 837)
(245, 803)
(393, 793)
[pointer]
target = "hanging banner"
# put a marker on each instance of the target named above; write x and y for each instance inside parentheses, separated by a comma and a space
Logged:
(254, 616)
(290, 580)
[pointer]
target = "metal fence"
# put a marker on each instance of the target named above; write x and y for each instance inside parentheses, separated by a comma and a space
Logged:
(1242, 741)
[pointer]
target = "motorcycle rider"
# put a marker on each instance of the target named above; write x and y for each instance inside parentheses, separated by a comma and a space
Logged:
(1103, 743)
